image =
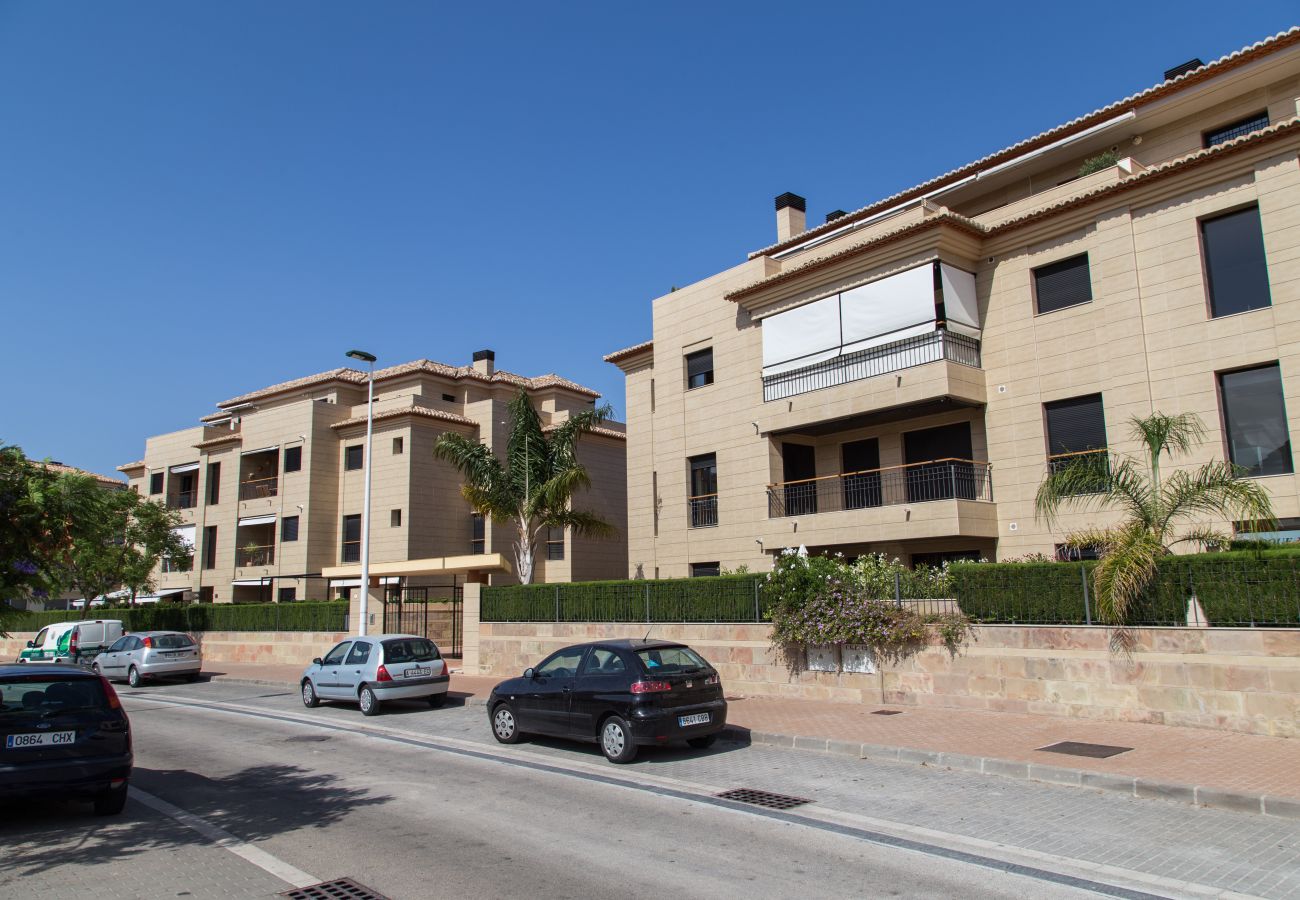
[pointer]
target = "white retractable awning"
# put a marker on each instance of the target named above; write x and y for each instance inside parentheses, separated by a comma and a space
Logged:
(258, 450)
(251, 582)
(186, 534)
(356, 582)
(257, 520)
(170, 591)
(187, 467)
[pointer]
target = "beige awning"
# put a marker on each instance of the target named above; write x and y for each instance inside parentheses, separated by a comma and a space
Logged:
(434, 565)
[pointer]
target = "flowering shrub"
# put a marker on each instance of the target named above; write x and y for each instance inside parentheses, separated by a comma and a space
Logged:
(824, 600)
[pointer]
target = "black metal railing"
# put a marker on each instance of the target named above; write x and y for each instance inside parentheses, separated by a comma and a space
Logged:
(351, 552)
(704, 510)
(1094, 466)
(433, 612)
(891, 357)
(185, 500)
(258, 488)
(940, 479)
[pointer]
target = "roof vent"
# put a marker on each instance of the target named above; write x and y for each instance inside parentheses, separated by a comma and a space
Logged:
(835, 214)
(790, 210)
(1190, 66)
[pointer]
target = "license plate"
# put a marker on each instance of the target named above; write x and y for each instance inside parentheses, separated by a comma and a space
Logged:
(172, 653)
(697, 719)
(418, 673)
(40, 739)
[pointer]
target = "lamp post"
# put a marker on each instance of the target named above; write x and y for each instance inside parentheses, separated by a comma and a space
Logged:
(369, 359)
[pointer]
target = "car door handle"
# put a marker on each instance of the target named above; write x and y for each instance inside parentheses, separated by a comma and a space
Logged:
(568, 690)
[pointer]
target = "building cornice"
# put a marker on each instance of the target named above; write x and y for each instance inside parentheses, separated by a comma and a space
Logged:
(419, 412)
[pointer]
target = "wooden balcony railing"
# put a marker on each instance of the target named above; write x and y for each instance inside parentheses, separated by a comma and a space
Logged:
(939, 479)
(251, 555)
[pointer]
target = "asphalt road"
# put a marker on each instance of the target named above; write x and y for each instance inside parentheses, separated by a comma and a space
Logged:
(240, 792)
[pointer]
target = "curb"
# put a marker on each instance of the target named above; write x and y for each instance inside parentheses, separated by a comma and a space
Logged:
(1129, 785)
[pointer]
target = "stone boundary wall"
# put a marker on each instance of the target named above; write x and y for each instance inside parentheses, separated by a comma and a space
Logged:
(264, 647)
(1231, 679)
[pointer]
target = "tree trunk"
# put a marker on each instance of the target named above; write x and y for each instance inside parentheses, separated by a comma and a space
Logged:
(524, 554)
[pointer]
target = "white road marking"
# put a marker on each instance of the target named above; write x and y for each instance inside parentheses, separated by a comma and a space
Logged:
(227, 841)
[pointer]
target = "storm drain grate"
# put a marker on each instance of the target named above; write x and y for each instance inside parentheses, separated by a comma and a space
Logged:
(766, 799)
(887, 712)
(1078, 748)
(338, 889)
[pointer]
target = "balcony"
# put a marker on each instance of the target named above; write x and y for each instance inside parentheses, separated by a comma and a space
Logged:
(940, 479)
(881, 360)
(703, 510)
(183, 500)
(351, 552)
(259, 488)
(255, 555)
(1090, 469)
(179, 564)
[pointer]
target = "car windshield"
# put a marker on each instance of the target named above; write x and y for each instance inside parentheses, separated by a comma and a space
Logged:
(670, 660)
(408, 650)
(41, 696)
(172, 641)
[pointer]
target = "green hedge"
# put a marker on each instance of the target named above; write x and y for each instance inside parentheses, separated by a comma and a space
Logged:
(724, 598)
(304, 616)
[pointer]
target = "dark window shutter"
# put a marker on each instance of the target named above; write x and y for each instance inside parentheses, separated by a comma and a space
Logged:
(699, 368)
(292, 459)
(1075, 425)
(1234, 262)
(1062, 284)
(289, 529)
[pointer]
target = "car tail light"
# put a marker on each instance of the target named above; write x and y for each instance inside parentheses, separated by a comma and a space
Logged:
(383, 674)
(650, 687)
(147, 642)
(72, 643)
(113, 702)
(712, 679)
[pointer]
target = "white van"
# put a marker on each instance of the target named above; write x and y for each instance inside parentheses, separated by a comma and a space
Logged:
(72, 641)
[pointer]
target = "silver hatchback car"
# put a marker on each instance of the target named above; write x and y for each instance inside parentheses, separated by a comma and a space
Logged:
(150, 654)
(374, 669)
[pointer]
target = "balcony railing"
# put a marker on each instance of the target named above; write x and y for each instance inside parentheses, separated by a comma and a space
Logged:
(179, 564)
(892, 357)
(1093, 468)
(351, 552)
(258, 488)
(704, 510)
(940, 479)
(253, 555)
(184, 500)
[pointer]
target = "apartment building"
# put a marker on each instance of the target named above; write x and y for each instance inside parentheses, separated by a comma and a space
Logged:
(900, 378)
(270, 486)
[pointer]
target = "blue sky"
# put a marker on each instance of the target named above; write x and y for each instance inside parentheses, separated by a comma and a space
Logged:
(200, 199)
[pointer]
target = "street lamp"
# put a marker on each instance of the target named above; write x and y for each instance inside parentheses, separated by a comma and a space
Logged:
(369, 359)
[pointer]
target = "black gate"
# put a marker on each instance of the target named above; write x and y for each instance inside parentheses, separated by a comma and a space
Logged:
(431, 612)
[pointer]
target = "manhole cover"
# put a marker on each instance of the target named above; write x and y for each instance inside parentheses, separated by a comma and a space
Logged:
(887, 712)
(1078, 748)
(307, 739)
(766, 799)
(338, 889)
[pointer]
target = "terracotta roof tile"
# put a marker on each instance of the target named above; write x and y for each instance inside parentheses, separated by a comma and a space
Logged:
(61, 469)
(619, 355)
(131, 466)
(1151, 94)
(215, 417)
(412, 410)
(598, 430)
(218, 441)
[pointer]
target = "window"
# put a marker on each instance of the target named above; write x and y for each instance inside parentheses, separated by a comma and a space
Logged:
(554, 543)
(351, 539)
(1066, 553)
(395, 518)
(699, 368)
(1236, 129)
(477, 531)
(1254, 412)
(360, 653)
(397, 446)
(1076, 436)
(293, 459)
(214, 483)
(704, 491)
(1062, 284)
(705, 569)
(288, 594)
(210, 547)
(940, 464)
(936, 560)
(353, 457)
(604, 662)
(563, 664)
(335, 656)
(288, 529)
(156, 483)
(450, 398)
(1234, 262)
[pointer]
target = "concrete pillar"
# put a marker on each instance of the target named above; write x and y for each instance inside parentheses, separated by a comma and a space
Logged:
(471, 604)
(374, 611)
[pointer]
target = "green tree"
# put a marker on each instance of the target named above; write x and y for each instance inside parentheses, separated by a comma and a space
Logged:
(1158, 512)
(533, 487)
(29, 535)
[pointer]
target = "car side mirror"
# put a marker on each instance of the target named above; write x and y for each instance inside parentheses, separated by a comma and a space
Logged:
(317, 662)
(31, 643)
(529, 673)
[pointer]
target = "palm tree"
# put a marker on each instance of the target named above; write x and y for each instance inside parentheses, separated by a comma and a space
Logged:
(535, 485)
(1155, 509)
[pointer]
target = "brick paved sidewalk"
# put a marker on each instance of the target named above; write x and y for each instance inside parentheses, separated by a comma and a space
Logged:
(1226, 768)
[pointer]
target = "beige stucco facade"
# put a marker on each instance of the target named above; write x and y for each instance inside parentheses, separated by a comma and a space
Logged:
(1146, 340)
(296, 451)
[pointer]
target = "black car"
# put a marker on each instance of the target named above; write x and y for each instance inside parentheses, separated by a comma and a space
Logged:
(623, 694)
(63, 734)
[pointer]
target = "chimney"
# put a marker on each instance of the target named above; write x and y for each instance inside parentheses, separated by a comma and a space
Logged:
(484, 362)
(835, 214)
(789, 215)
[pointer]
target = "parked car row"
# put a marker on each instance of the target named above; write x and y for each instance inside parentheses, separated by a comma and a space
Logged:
(102, 644)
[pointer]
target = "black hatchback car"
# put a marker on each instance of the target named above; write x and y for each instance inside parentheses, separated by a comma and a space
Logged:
(623, 694)
(63, 734)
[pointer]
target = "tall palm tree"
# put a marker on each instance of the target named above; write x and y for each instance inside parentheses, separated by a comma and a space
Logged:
(534, 487)
(1160, 512)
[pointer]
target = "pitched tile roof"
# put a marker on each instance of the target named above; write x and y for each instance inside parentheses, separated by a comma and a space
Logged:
(1156, 92)
(232, 438)
(620, 355)
(598, 430)
(60, 469)
(412, 410)
(131, 466)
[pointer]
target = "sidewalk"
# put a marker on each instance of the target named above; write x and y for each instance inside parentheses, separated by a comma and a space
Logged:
(1242, 772)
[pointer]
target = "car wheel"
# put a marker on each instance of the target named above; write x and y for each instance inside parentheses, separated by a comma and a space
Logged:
(133, 677)
(110, 802)
(436, 700)
(616, 740)
(504, 726)
(309, 698)
(369, 702)
(702, 743)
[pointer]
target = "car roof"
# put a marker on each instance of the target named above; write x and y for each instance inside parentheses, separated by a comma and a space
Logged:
(632, 643)
(385, 637)
(9, 670)
(155, 633)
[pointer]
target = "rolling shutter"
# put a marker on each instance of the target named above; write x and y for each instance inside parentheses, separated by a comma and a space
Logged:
(1075, 425)
(1062, 284)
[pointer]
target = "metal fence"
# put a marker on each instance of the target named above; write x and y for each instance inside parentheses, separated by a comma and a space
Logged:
(433, 612)
(941, 479)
